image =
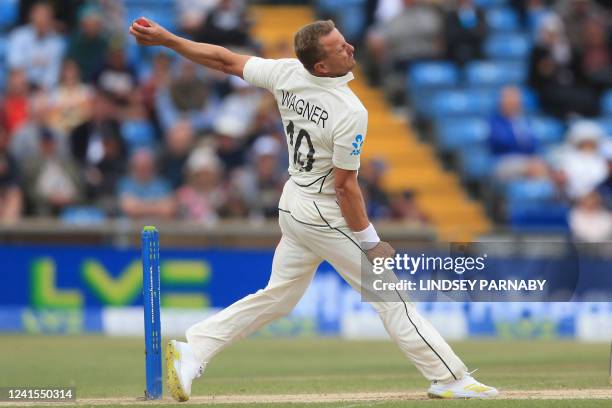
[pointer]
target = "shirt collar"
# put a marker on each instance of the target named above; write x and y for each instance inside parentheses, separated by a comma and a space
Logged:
(327, 81)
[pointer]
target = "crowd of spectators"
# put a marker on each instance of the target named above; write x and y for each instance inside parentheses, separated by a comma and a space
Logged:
(94, 127)
(564, 55)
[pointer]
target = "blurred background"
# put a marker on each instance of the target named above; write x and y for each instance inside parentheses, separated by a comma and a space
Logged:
(488, 120)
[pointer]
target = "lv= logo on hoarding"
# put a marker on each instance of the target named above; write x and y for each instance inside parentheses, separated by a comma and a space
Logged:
(121, 290)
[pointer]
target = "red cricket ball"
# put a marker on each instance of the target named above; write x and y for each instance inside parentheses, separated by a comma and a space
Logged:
(143, 22)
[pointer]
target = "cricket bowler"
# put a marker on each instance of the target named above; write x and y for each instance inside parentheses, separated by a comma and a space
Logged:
(322, 213)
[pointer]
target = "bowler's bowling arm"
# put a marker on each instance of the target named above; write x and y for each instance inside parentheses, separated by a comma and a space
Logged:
(350, 199)
(209, 55)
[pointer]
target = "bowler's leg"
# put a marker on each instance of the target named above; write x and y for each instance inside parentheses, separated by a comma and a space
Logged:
(414, 335)
(292, 270)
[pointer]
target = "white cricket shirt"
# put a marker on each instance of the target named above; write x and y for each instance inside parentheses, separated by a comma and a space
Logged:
(325, 125)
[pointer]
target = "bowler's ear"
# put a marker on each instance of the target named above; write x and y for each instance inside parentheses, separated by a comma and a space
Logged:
(320, 68)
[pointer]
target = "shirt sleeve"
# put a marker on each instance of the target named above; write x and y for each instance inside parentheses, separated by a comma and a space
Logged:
(349, 137)
(262, 72)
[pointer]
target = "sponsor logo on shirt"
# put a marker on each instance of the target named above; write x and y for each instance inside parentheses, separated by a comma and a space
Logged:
(357, 144)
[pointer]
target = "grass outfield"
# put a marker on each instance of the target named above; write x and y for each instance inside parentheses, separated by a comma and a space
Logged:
(102, 367)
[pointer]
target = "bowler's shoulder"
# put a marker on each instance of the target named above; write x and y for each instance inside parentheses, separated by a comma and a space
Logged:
(353, 104)
(289, 64)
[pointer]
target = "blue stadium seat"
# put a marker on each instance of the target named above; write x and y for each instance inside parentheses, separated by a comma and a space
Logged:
(606, 103)
(507, 46)
(606, 124)
(456, 133)
(535, 191)
(530, 100)
(433, 74)
(83, 215)
(502, 19)
(547, 130)
(9, 10)
(462, 102)
(490, 73)
(476, 163)
(333, 6)
(490, 3)
(352, 21)
(530, 217)
(532, 204)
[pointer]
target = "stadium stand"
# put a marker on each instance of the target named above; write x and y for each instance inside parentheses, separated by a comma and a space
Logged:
(446, 169)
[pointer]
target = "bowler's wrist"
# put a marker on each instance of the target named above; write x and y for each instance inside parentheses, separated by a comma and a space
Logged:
(368, 238)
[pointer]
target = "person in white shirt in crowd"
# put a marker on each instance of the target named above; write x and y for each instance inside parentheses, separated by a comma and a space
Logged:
(580, 166)
(37, 48)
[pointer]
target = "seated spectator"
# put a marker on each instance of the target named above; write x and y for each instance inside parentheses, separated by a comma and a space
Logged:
(65, 11)
(201, 196)
(404, 208)
(512, 141)
(70, 101)
(102, 178)
(86, 139)
(581, 167)
(596, 55)
(589, 220)
(137, 128)
(556, 76)
(88, 46)
(14, 111)
(52, 179)
(116, 76)
(261, 183)
(178, 144)
(157, 79)
(142, 194)
(532, 13)
(193, 13)
(375, 197)
(415, 34)
(188, 96)
(25, 142)
(229, 142)
(241, 104)
(509, 130)
(576, 16)
(36, 47)
(226, 24)
(385, 10)
(465, 30)
(11, 197)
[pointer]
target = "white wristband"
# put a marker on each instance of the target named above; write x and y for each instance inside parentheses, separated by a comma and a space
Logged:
(368, 238)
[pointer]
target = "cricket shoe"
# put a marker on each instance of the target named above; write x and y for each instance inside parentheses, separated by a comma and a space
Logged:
(182, 367)
(467, 387)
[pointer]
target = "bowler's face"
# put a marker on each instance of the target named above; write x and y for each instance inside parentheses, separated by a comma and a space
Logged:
(339, 54)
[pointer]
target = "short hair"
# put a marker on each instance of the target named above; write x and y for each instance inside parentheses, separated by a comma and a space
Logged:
(306, 42)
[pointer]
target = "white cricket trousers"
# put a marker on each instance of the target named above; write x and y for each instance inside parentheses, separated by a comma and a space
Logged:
(300, 251)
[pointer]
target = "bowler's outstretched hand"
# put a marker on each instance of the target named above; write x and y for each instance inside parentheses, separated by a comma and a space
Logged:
(152, 35)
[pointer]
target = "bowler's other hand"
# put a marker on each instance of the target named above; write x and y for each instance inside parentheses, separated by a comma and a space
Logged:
(153, 35)
(381, 250)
